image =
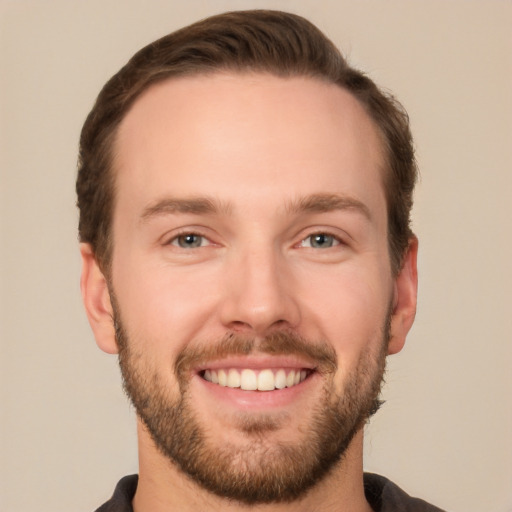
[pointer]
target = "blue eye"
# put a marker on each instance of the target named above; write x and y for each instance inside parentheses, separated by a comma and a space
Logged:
(189, 241)
(320, 241)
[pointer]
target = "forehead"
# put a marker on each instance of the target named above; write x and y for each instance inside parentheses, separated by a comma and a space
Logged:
(202, 134)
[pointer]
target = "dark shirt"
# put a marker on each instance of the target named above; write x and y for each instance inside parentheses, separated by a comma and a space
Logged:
(382, 495)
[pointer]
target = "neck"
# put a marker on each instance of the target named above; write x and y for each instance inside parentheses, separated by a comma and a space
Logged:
(163, 487)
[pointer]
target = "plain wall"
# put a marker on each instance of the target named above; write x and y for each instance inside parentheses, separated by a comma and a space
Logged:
(445, 433)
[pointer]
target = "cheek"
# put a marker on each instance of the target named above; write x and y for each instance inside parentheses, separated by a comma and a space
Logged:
(349, 307)
(163, 305)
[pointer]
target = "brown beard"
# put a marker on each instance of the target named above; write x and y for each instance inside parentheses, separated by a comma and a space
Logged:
(263, 471)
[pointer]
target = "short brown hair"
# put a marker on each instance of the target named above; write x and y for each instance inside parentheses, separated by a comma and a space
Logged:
(273, 42)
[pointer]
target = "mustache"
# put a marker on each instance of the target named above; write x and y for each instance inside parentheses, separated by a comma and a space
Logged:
(321, 354)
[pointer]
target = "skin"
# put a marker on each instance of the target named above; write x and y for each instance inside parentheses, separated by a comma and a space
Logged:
(259, 148)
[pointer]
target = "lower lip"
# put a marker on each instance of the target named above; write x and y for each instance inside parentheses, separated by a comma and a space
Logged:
(258, 400)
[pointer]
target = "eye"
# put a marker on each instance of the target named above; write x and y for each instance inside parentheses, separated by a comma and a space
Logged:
(189, 241)
(320, 241)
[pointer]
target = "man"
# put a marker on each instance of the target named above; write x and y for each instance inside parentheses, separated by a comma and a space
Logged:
(244, 203)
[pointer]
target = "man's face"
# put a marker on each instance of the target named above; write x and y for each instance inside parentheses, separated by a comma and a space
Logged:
(250, 251)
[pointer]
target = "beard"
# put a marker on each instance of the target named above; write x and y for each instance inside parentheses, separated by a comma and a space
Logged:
(262, 470)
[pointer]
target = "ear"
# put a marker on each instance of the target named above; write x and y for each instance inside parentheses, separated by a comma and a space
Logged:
(405, 298)
(96, 298)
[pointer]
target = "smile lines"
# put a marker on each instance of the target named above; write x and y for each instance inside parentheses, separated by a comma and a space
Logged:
(251, 380)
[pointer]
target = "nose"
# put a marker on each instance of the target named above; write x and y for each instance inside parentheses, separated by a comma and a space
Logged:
(258, 293)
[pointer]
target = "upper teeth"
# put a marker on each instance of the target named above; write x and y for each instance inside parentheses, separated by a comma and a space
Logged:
(251, 380)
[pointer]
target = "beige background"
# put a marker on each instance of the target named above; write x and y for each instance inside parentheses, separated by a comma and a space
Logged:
(67, 432)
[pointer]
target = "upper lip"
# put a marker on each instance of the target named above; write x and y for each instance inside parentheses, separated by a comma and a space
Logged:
(257, 362)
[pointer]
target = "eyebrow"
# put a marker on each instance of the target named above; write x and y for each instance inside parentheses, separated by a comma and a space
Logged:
(314, 203)
(321, 203)
(193, 205)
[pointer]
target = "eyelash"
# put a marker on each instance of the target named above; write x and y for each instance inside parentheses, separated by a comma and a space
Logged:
(176, 239)
(204, 241)
(335, 241)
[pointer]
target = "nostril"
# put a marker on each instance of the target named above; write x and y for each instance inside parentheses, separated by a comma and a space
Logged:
(239, 326)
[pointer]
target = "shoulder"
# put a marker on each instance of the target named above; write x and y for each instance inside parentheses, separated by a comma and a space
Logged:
(385, 496)
(121, 500)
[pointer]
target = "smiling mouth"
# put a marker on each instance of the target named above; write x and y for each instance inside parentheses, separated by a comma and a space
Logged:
(256, 380)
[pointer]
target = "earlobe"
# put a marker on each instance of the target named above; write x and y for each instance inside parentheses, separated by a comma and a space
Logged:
(405, 298)
(96, 298)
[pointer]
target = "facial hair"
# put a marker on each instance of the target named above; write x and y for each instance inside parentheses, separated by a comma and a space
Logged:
(262, 470)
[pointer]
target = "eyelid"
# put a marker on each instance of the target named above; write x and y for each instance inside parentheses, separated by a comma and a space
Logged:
(172, 237)
(339, 235)
(175, 241)
(336, 239)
